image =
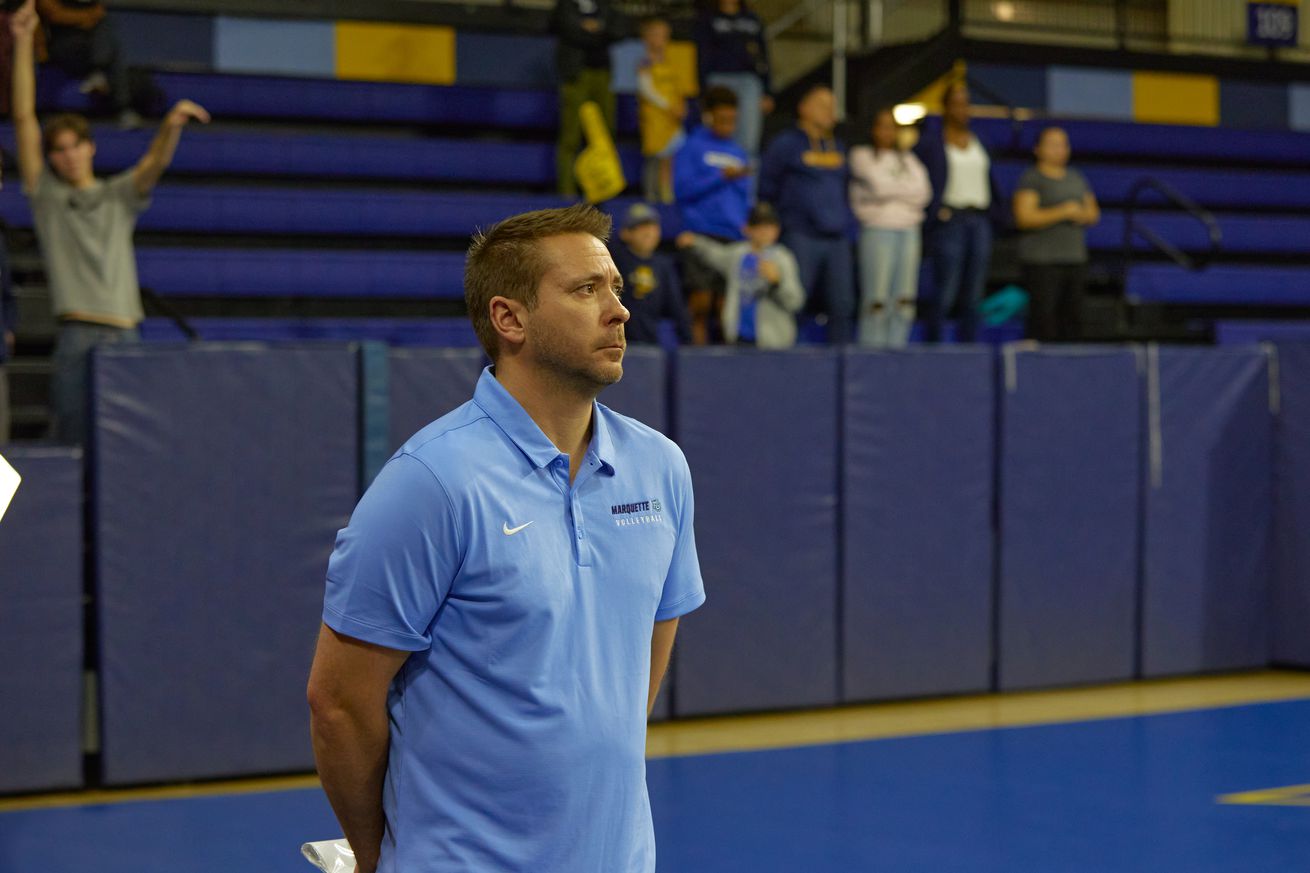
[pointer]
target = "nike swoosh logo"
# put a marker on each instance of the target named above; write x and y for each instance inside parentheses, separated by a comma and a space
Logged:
(510, 531)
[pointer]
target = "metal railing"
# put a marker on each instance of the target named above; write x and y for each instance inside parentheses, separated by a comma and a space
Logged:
(1133, 228)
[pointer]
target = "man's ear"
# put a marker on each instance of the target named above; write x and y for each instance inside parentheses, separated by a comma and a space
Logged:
(507, 320)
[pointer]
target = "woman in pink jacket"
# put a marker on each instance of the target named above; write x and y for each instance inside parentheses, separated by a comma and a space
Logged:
(889, 190)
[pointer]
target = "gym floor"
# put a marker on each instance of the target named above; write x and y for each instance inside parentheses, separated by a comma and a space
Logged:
(1197, 775)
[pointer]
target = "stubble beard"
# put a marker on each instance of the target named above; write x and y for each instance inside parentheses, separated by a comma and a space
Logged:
(573, 369)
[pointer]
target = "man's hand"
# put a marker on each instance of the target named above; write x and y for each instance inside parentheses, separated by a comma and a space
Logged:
(23, 22)
(591, 25)
(184, 111)
(766, 104)
(732, 174)
(685, 240)
(769, 272)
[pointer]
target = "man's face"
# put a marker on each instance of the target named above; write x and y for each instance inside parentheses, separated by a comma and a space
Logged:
(722, 121)
(576, 329)
(70, 157)
(819, 110)
(642, 239)
(762, 236)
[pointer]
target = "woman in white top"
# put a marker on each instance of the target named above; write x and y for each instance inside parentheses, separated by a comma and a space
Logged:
(965, 207)
(889, 190)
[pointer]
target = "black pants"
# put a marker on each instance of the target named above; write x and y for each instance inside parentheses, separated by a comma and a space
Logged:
(81, 52)
(1055, 301)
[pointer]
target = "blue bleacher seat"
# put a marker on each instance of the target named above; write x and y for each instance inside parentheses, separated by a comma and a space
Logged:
(238, 272)
(1223, 284)
(445, 332)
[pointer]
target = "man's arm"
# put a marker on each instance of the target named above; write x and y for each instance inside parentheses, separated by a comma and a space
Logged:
(22, 24)
(148, 170)
(661, 648)
(347, 693)
(60, 15)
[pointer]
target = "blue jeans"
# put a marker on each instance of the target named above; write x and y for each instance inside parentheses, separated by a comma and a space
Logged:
(68, 386)
(827, 274)
(961, 254)
(750, 120)
(889, 284)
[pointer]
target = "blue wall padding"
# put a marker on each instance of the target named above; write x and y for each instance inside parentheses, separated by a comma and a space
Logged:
(508, 60)
(1017, 84)
(642, 393)
(1291, 600)
(293, 48)
(1084, 91)
(1245, 332)
(374, 410)
(760, 431)
(918, 443)
(428, 383)
(223, 473)
(157, 39)
(1245, 103)
(41, 622)
(1070, 515)
(1209, 511)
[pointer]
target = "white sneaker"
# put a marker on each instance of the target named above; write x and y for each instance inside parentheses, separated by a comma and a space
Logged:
(96, 83)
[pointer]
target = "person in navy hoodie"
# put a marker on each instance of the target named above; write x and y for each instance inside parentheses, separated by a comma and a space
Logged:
(731, 51)
(805, 175)
(965, 209)
(711, 186)
(651, 290)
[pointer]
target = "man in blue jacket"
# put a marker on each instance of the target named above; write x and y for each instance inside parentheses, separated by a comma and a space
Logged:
(804, 174)
(711, 185)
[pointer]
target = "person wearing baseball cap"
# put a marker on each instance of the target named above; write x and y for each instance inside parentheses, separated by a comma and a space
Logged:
(651, 290)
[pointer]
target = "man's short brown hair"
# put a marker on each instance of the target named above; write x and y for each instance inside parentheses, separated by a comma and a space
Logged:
(60, 123)
(505, 260)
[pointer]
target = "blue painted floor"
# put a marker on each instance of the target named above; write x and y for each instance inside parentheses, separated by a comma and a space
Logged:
(1133, 794)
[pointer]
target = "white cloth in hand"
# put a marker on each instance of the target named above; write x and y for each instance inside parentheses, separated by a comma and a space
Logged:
(330, 856)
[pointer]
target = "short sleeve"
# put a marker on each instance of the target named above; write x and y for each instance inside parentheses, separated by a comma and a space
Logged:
(393, 565)
(123, 189)
(1029, 181)
(684, 589)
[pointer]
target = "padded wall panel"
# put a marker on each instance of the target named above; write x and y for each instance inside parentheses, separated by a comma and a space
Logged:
(760, 432)
(428, 383)
(1080, 91)
(917, 488)
(222, 475)
(41, 622)
(1070, 516)
(264, 45)
(642, 393)
(1209, 511)
(385, 52)
(507, 60)
(1291, 601)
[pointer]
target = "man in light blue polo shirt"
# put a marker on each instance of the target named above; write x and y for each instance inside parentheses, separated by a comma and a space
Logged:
(501, 609)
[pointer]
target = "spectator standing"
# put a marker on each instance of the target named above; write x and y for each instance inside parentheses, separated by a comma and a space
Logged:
(82, 42)
(764, 290)
(1053, 206)
(651, 290)
(84, 226)
(584, 30)
(889, 190)
(663, 108)
(711, 180)
(804, 173)
(965, 206)
(731, 51)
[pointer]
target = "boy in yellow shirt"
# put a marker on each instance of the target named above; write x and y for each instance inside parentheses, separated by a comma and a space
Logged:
(662, 108)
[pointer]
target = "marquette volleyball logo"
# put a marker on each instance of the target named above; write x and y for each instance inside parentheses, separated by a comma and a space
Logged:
(640, 512)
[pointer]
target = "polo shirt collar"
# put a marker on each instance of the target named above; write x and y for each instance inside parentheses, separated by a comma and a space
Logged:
(514, 420)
